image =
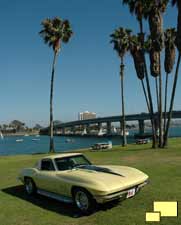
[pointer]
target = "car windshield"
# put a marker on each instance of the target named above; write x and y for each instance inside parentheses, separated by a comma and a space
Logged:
(68, 163)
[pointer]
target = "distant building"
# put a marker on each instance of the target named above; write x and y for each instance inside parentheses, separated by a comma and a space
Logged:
(87, 115)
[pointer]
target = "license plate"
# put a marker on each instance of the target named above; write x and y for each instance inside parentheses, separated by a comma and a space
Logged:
(131, 193)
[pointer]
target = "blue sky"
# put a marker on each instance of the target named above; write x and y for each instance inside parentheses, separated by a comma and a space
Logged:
(87, 74)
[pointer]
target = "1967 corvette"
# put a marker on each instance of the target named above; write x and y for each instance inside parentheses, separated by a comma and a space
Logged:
(71, 177)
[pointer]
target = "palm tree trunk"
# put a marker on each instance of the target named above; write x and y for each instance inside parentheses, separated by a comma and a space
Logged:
(51, 148)
(124, 141)
(172, 102)
(160, 108)
(165, 105)
(145, 94)
(141, 25)
(151, 106)
(157, 92)
(148, 89)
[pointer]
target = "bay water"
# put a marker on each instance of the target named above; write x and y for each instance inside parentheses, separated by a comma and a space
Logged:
(33, 144)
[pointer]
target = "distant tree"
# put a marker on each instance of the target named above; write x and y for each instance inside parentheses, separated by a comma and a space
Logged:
(18, 125)
(54, 32)
(56, 122)
(37, 127)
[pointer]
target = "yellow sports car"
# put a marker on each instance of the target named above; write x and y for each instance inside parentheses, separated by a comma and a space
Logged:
(71, 177)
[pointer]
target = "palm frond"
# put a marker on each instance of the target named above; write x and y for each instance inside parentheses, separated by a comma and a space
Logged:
(138, 56)
(170, 37)
(120, 40)
(54, 31)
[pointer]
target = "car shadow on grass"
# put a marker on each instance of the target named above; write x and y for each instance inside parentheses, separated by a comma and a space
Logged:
(51, 204)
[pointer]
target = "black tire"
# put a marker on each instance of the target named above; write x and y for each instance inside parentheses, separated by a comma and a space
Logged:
(84, 201)
(30, 186)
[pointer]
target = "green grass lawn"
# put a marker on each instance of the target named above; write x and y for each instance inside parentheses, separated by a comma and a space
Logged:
(162, 166)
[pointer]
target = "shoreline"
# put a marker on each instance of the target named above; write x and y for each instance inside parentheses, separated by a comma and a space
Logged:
(20, 134)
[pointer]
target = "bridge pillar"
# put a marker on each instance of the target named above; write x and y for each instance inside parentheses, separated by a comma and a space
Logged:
(99, 126)
(73, 129)
(63, 130)
(109, 128)
(141, 126)
(121, 127)
(156, 121)
(84, 130)
(88, 128)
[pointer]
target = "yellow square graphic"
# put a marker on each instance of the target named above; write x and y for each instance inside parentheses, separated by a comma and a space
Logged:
(166, 208)
(153, 217)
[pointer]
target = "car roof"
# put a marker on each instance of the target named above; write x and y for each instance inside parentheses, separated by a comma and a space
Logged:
(61, 155)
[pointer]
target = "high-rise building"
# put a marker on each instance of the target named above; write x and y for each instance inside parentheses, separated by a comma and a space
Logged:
(87, 115)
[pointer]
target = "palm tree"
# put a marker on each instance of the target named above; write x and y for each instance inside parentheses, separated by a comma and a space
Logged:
(140, 9)
(54, 32)
(155, 10)
(138, 58)
(178, 45)
(170, 36)
(120, 39)
(154, 63)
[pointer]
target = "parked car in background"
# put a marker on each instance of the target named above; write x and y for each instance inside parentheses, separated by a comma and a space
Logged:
(99, 146)
(142, 141)
(71, 177)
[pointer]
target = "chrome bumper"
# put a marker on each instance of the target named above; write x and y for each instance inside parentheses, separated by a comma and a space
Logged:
(119, 195)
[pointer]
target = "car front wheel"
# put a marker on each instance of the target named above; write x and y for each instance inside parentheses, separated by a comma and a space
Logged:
(30, 186)
(84, 201)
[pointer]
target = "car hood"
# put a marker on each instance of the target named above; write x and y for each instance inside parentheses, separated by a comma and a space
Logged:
(107, 178)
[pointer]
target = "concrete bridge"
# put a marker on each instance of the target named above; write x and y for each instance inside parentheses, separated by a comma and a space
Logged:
(85, 124)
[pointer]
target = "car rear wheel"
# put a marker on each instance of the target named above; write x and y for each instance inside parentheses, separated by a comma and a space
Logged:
(30, 186)
(84, 200)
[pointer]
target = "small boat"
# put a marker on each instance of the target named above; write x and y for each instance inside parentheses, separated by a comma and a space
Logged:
(35, 139)
(84, 132)
(68, 140)
(19, 140)
(37, 135)
(26, 135)
(126, 133)
(1, 134)
(114, 130)
(101, 132)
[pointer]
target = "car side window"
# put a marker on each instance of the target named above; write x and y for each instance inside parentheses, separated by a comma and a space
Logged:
(64, 164)
(47, 165)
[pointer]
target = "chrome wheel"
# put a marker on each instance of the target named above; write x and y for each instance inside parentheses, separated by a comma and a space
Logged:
(82, 200)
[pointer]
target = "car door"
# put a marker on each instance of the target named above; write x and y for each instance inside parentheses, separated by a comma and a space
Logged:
(46, 178)
(62, 183)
